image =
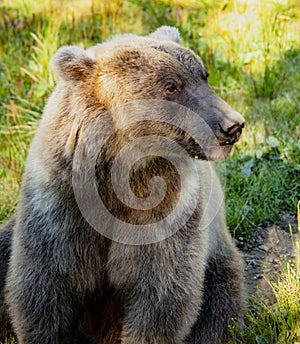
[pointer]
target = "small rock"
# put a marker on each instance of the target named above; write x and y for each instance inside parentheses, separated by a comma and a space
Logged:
(264, 248)
(258, 277)
(239, 244)
(253, 263)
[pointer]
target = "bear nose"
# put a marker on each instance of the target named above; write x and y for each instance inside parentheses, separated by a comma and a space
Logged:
(232, 134)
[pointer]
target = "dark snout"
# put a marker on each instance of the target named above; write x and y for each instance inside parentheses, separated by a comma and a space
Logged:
(230, 128)
(225, 121)
(226, 124)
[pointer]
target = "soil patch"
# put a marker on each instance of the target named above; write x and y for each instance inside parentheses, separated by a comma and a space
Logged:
(265, 253)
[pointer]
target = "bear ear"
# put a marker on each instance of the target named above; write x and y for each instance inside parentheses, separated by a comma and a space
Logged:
(166, 33)
(72, 63)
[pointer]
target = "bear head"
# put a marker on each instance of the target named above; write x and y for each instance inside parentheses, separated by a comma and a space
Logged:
(156, 67)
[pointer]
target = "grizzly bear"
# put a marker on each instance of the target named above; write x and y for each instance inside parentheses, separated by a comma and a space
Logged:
(120, 233)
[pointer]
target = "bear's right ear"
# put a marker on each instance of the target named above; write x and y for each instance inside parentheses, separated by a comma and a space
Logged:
(167, 33)
(72, 63)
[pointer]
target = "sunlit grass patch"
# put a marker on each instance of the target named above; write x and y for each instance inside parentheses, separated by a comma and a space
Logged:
(10, 340)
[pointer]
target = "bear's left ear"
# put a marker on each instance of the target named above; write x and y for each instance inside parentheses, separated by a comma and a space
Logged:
(72, 63)
(166, 33)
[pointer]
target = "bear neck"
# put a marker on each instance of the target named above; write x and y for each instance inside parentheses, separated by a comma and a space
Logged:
(143, 187)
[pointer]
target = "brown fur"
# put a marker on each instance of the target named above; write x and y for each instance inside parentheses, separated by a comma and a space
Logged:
(67, 283)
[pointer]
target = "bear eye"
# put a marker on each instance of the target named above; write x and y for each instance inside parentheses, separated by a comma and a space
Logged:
(171, 89)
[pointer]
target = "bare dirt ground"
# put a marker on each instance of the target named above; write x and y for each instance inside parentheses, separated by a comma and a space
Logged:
(267, 250)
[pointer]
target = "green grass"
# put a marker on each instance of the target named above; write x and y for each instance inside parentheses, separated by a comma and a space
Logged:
(251, 50)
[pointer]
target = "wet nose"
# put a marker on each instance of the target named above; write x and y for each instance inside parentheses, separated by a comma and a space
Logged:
(232, 133)
(235, 128)
(232, 121)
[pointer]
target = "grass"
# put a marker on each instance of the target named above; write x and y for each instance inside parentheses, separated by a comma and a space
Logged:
(276, 322)
(251, 49)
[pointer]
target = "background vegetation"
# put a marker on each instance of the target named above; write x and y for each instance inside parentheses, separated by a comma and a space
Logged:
(252, 51)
